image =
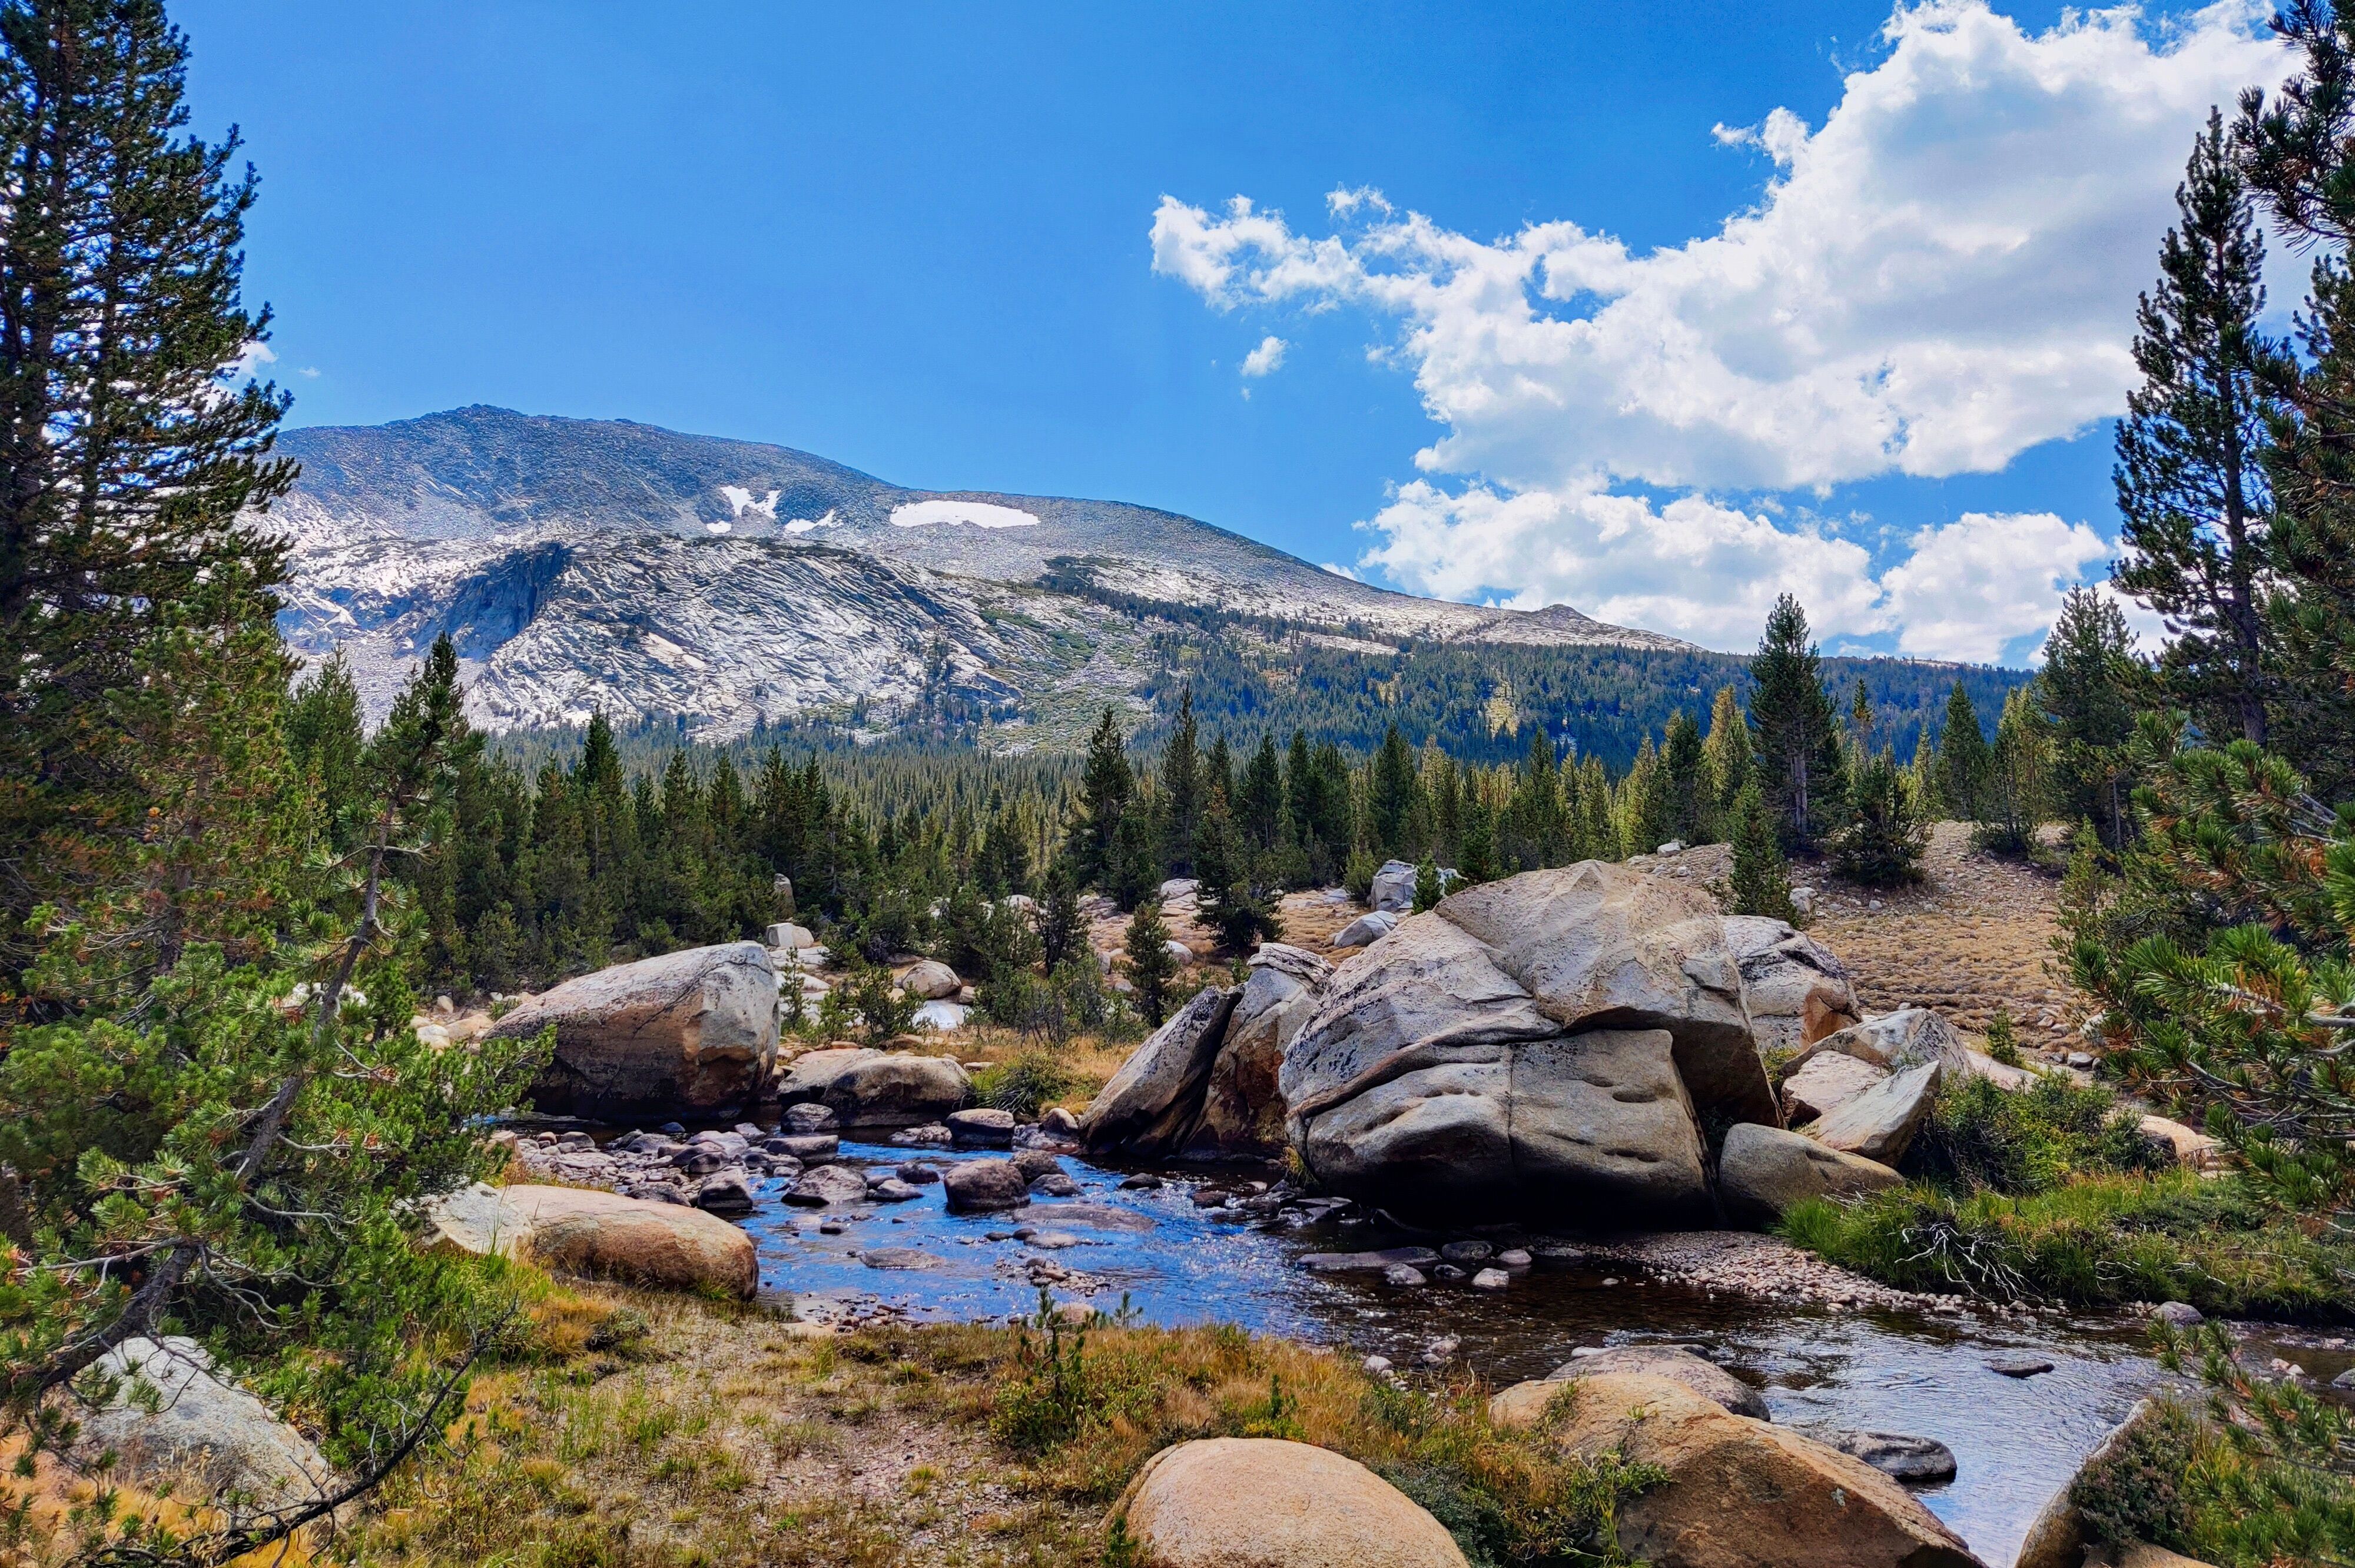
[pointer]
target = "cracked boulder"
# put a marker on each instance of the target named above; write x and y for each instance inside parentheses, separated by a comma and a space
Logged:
(1555, 1043)
(1798, 991)
(1242, 1108)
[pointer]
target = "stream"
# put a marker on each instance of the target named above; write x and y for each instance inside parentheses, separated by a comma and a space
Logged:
(2016, 1440)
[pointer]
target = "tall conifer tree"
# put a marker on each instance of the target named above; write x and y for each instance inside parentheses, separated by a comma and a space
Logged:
(1798, 737)
(2192, 495)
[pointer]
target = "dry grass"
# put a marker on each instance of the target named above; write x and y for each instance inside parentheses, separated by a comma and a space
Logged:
(1975, 935)
(732, 1437)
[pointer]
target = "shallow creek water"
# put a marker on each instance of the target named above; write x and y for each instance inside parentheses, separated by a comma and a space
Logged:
(2015, 1441)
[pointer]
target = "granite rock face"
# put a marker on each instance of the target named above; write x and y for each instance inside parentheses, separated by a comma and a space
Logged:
(1242, 1108)
(203, 1439)
(1556, 1040)
(1150, 1106)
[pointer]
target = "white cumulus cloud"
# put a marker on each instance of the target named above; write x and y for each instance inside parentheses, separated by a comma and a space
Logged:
(1267, 358)
(1939, 276)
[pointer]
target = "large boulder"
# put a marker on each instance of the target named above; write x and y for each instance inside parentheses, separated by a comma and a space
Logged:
(1550, 1040)
(1880, 1123)
(692, 1031)
(1741, 1493)
(1432, 1079)
(1261, 1502)
(1394, 889)
(1597, 944)
(930, 980)
(176, 1428)
(1764, 1171)
(1242, 1108)
(1906, 1038)
(1705, 1377)
(1798, 991)
(583, 1231)
(865, 1088)
(1366, 929)
(1149, 1108)
(1825, 1082)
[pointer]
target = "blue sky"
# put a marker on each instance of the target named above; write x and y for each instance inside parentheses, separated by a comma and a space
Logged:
(995, 249)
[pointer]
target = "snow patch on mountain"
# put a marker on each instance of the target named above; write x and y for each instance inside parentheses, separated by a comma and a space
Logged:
(979, 514)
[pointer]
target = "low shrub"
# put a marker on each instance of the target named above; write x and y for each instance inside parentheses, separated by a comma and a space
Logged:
(2097, 1240)
(2022, 1141)
(1025, 1086)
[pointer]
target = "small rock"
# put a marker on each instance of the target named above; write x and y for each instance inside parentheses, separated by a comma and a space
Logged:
(2344, 1379)
(1053, 1241)
(899, 1257)
(981, 1186)
(726, 1194)
(2081, 1060)
(981, 1128)
(829, 1228)
(1514, 1258)
(932, 1135)
(1036, 1162)
(805, 1147)
(809, 1117)
(2016, 1364)
(1404, 1274)
(823, 1186)
(1918, 1461)
(890, 1190)
(1441, 1350)
(1467, 1252)
(918, 1175)
(1378, 1365)
(1060, 1122)
(1448, 1271)
(2179, 1314)
(1491, 1279)
(1143, 1181)
(1056, 1185)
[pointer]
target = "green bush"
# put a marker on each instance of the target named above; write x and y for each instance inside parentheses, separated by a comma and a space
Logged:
(1026, 1085)
(2135, 1492)
(2096, 1241)
(2022, 1141)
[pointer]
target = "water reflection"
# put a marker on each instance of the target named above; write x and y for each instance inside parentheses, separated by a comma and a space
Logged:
(2015, 1440)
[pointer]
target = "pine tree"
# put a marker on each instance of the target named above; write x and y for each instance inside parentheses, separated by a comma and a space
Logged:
(1685, 777)
(1106, 787)
(1761, 879)
(326, 738)
(1882, 843)
(1182, 791)
(1727, 753)
(2192, 496)
(129, 444)
(1643, 807)
(1259, 799)
(1062, 933)
(1534, 832)
(1797, 739)
(1479, 862)
(1150, 966)
(1963, 758)
(2012, 803)
(2089, 688)
(1233, 902)
(1392, 787)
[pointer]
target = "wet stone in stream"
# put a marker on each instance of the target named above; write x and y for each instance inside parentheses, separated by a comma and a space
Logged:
(1830, 1355)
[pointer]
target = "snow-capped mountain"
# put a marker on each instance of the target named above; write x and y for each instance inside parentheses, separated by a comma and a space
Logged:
(583, 564)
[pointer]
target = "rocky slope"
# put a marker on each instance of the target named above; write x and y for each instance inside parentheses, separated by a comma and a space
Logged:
(583, 564)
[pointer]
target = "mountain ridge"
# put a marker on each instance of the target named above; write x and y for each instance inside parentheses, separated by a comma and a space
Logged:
(610, 565)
